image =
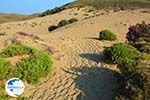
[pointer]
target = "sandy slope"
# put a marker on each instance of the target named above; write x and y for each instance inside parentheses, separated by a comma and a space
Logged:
(79, 71)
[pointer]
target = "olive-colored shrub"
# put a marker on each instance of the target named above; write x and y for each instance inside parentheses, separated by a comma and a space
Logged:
(107, 35)
(63, 23)
(124, 55)
(144, 47)
(52, 28)
(133, 86)
(73, 20)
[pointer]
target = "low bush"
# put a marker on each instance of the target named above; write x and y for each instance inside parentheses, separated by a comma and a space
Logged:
(137, 31)
(52, 28)
(144, 47)
(139, 36)
(63, 23)
(4, 68)
(124, 55)
(107, 35)
(17, 49)
(31, 68)
(73, 20)
(134, 86)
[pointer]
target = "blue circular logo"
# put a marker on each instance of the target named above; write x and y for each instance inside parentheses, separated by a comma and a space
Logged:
(14, 87)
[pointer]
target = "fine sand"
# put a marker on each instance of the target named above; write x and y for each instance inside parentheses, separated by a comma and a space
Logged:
(79, 70)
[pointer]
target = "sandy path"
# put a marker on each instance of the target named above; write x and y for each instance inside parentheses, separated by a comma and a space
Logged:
(80, 74)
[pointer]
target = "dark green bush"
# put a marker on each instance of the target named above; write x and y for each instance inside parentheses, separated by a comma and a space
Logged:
(72, 20)
(52, 28)
(125, 56)
(63, 23)
(133, 86)
(107, 35)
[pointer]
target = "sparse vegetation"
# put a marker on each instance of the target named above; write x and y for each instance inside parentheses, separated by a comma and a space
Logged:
(33, 24)
(122, 4)
(2, 34)
(55, 10)
(107, 35)
(15, 17)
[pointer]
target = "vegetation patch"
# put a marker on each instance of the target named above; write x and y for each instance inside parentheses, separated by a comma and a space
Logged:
(62, 23)
(122, 4)
(133, 86)
(73, 20)
(139, 36)
(17, 49)
(55, 10)
(52, 28)
(37, 65)
(2, 34)
(107, 35)
(124, 55)
(133, 80)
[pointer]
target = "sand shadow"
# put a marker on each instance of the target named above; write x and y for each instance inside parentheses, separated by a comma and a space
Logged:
(95, 83)
(94, 57)
(93, 38)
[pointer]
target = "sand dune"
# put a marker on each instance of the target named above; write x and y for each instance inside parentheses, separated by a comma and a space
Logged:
(79, 71)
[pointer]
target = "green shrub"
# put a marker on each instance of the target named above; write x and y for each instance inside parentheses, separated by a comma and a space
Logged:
(52, 28)
(17, 49)
(30, 69)
(107, 35)
(33, 68)
(4, 68)
(125, 56)
(73, 20)
(63, 23)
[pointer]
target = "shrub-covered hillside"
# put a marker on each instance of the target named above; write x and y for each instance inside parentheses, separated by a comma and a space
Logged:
(115, 3)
